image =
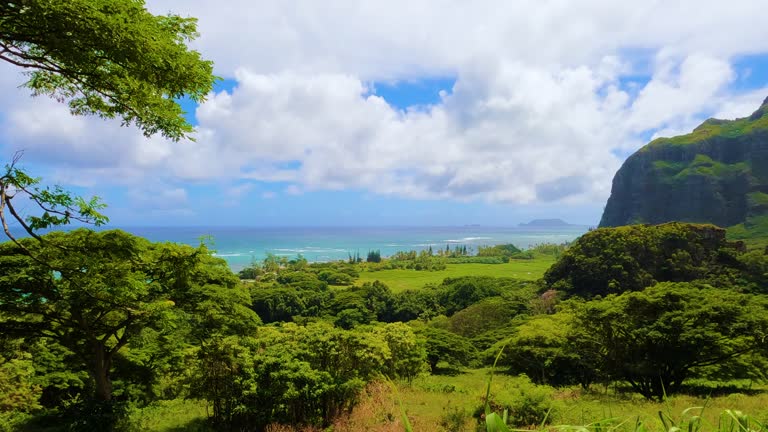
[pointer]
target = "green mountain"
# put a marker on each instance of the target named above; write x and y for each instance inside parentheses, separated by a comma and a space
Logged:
(716, 174)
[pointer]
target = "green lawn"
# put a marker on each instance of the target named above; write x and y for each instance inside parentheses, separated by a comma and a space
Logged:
(399, 280)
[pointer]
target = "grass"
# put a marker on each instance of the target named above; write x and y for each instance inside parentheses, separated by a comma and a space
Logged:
(400, 280)
(713, 128)
(754, 232)
(171, 416)
(430, 399)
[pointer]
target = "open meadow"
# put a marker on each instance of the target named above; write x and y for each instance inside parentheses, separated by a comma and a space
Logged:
(406, 279)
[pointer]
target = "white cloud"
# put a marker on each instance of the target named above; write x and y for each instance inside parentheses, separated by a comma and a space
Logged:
(158, 196)
(401, 38)
(540, 105)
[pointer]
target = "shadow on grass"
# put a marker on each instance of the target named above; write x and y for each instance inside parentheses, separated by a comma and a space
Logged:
(447, 371)
(714, 390)
(196, 425)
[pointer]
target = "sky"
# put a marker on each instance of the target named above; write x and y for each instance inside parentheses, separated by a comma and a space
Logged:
(437, 112)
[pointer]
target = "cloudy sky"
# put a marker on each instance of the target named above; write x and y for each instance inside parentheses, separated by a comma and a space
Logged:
(430, 112)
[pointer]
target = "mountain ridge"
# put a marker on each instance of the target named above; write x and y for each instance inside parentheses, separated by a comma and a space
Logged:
(716, 174)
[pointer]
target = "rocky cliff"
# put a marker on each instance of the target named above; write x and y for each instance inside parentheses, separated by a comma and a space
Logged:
(717, 174)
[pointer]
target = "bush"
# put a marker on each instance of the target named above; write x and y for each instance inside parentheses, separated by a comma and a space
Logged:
(527, 404)
(93, 415)
(334, 278)
(299, 375)
(12, 421)
(505, 251)
(454, 419)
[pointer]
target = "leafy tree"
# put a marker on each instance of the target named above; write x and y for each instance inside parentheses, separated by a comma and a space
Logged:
(550, 349)
(302, 280)
(334, 278)
(755, 270)
(416, 304)
(379, 300)
(407, 353)
(93, 292)
(277, 304)
(445, 346)
(18, 391)
(630, 258)
(455, 294)
(294, 375)
(483, 316)
(251, 272)
(110, 58)
(654, 339)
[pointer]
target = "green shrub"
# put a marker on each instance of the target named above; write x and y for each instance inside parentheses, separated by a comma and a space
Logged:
(12, 421)
(526, 403)
(454, 419)
(334, 277)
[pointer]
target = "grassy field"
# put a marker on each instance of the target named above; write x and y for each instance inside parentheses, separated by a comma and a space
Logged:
(399, 280)
(430, 401)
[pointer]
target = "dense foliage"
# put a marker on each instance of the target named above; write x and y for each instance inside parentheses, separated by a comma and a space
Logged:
(630, 258)
(300, 374)
(94, 292)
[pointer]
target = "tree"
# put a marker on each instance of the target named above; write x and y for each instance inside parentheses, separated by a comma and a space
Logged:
(297, 375)
(549, 349)
(374, 256)
(630, 258)
(656, 338)
(110, 58)
(92, 292)
(445, 346)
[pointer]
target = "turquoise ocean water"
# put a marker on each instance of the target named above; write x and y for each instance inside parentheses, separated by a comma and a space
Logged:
(240, 246)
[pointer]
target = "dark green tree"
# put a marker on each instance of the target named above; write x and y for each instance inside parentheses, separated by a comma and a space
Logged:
(445, 346)
(550, 349)
(630, 258)
(656, 338)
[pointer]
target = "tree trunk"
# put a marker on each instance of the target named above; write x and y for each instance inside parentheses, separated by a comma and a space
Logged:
(102, 362)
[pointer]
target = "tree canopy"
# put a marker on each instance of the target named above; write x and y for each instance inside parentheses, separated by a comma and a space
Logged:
(110, 58)
(92, 292)
(655, 338)
(630, 258)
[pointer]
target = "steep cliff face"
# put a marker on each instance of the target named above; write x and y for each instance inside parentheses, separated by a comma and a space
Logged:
(717, 174)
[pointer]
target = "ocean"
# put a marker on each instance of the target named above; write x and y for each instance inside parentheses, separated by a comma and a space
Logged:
(240, 246)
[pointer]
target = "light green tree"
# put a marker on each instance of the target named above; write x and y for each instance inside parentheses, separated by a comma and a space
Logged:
(109, 58)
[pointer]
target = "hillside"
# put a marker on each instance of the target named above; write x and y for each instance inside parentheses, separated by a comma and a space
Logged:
(716, 174)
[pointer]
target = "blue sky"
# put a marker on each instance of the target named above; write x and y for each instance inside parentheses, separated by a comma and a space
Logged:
(490, 115)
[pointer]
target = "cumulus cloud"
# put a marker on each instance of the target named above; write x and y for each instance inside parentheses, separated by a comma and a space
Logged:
(402, 38)
(546, 94)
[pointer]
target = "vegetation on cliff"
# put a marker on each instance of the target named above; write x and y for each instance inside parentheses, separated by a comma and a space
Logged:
(716, 174)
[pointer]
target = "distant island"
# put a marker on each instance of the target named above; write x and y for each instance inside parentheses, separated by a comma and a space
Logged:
(545, 223)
